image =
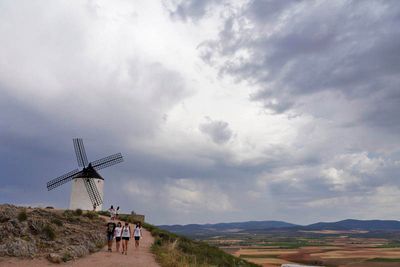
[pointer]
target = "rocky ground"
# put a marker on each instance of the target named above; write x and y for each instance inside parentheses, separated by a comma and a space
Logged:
(53, 234)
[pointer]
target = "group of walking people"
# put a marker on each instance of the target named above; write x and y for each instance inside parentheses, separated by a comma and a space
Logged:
(122, 233)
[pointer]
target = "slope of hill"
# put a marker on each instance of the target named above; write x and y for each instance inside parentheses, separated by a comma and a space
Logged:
(173, 250)
(197, 230)
(368, 225)
(57, 235)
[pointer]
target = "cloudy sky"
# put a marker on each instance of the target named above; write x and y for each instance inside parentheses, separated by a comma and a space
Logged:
(223, 110)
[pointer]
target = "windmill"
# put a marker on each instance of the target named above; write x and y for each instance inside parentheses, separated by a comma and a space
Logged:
(87, 184)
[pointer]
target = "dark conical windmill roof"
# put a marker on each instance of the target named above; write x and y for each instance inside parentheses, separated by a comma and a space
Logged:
(89, 172)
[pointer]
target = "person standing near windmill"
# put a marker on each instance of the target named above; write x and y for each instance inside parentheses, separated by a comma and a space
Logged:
(112, 212)
(117, 213)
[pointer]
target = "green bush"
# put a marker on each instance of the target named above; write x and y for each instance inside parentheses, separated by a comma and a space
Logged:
(57, 221)
(100, 244)
(78, 212)
(66, 257)
(49, 232)
(104, 213)
(22, 216)
(68, 213)
(91, 215)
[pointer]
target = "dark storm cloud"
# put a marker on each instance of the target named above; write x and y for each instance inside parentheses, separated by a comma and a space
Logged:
(336, 62)
(292, 49)
(52, 91)
(331, 67)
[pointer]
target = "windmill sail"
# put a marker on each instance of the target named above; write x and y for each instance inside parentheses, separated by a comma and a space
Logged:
(80, 152)
(107, 161)
(62, 179)
(93, 192)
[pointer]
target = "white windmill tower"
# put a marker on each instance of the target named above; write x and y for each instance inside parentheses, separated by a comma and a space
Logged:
(87, 184)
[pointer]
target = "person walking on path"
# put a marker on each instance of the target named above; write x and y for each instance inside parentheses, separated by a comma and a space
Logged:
(117, 235)
(117, 213)
(112, 212)
(126, 234)
(137, 233)
(110, 233)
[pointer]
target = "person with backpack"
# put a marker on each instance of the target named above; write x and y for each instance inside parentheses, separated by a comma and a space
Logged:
(110, 233)
(126, 234)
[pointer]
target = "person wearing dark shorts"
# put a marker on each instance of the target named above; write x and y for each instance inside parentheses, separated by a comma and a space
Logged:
(137, 233)
(126, 234)
(117, 235)
(110, 234)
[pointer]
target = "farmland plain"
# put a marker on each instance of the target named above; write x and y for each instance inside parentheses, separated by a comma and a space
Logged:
(321, 248)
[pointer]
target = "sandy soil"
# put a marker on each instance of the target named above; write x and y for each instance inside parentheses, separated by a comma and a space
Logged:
(136, 257)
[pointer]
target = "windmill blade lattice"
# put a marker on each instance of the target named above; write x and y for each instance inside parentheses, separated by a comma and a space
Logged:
(80, 152)
(62, 179)
(107, 161)
(93, 192)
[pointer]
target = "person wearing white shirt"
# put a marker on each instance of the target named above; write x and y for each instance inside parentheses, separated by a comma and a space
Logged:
(112, 212)
(126, 234)
(117, 235)
(137, 233)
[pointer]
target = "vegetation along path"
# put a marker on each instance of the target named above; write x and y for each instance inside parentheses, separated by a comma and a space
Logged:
(136, 257)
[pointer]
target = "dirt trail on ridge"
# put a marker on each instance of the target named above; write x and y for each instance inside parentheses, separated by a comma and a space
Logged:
(141, 257)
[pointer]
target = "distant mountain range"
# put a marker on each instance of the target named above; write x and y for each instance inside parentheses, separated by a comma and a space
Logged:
(368, 225)
(237, 227)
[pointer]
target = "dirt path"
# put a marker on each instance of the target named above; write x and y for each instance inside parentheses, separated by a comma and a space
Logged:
(136, 257)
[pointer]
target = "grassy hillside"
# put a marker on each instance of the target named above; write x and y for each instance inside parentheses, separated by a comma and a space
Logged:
(172, 250)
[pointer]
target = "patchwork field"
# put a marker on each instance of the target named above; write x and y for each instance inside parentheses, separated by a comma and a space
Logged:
(328, 249)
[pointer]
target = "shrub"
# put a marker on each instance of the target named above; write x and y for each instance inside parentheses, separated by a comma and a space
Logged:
(26, 238)
(91, 215)
(66, 257)
(100, 244)
(104, 213)
(49, 232)
(57, 221)
(68, 213)
(22, 216)
(78, 212)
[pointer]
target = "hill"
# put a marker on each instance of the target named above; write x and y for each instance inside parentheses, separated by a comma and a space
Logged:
(207, 230)
(34, 234)
(173, 250)
(198, 230)
(368, 225)
(56, 235)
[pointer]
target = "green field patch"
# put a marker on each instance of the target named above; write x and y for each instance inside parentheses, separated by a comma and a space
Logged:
(394, 244)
